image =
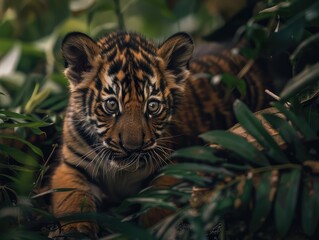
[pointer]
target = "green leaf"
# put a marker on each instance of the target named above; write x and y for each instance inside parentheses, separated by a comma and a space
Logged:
(197, 153)
(301, 52)
(19, 156)
(297, 121)
(11, 178)
(236, 144)
(36, 98)
(310, 205)
(13, 115)
(243, 194)
(233, 82)
(36, 124)
(256, 129)
(287, 36)
(289, 135)
(219, 206)
(189, 172)
(35, 149)
(263, 201)
(286, 200)
(306, 78)
(153, 202)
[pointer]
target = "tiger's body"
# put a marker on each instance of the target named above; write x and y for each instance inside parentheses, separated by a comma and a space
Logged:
(132, 103)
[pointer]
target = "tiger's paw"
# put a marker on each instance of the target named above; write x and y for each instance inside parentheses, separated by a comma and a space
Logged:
(75, 231)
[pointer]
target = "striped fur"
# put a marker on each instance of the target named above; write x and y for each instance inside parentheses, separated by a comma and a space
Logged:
(131, 104)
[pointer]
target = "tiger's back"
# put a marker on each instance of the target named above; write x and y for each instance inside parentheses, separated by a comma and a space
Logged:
(129, 101)
(208, 102)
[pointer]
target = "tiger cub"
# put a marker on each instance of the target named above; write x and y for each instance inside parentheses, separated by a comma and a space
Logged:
(131, 103)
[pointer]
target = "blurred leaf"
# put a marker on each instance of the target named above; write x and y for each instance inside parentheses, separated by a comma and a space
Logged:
(286, 200)
(15, 167)
(228, 30)
(9, 62)
(152, 202)
(307, 77)
(80, 5)
(13, 115)
(189, 172)
(289, 135)
(263, 201)
(36, 98)
(310, 205)
(243, 193)
(232, 82)
(298, 122)
(25, 124)
(256, 129)
(184, 7)
(289, 35)
(35, 149)
(19, 156)
(237, 144)
(218, 207)
(55, 102)
(37, 18)
(197, 153)
(303, 49)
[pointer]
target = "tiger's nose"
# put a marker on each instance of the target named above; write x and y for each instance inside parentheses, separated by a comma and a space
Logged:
(131, 144)
(136, 146)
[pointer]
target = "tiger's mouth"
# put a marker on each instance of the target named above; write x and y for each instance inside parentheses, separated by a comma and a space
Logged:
(151, 157)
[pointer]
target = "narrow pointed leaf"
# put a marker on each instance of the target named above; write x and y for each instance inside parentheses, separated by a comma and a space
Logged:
(254, 127)
(310, 205)
(30, 145)
(307, 77)
(244, 188)
(286, 200)
(15, 115)
(236, 144)
(263, 201)
(197, 153)
(25, 124)
(19, 156)
(298, 122)
(289, 135)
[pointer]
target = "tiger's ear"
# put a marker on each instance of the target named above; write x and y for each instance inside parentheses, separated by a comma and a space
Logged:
(177, 51)
(79, 52)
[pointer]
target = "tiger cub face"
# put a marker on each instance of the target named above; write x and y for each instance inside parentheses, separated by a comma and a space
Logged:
(124, 91)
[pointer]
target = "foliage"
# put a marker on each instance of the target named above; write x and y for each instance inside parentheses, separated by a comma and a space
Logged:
(254, 192)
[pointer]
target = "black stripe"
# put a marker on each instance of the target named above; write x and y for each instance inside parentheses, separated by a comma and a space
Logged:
(90, 100)
(98, 83)
(115, 67)
(111, 55)
(81, 130)
(145, 67)
(108, 48)
(145, 56)
(82, 170)
(72, 150)
(109, 90)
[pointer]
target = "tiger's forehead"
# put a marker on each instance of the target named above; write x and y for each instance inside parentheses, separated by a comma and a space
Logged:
(130, 62)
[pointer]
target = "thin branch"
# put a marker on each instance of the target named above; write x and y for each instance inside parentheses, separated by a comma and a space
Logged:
(119, 15)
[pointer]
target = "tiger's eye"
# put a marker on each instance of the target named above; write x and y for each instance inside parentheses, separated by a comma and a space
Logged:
(111, 105)
(153, 107)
